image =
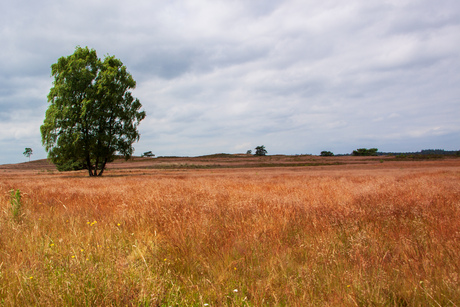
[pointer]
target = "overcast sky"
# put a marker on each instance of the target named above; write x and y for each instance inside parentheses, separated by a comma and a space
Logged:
(297, 76)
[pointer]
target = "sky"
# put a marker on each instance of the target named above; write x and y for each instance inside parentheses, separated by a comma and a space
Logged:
(225, 76)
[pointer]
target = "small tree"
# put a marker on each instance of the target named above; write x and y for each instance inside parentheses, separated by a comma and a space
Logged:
(260, 151)
(249, 152)
(28, 152)
(148, 154)
(325, 153)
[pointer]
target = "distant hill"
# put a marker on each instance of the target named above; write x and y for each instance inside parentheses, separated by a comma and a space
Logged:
(42, 164)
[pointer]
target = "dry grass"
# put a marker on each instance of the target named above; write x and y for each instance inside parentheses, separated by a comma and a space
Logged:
(251, 237)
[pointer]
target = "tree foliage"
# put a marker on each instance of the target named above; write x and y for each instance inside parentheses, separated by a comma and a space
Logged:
(148, 154)
(28, 152)
(92, 115)
(260, 151)
(365, 152)
(326, 153)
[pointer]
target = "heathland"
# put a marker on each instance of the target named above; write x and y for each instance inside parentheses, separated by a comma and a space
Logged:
(233, 230)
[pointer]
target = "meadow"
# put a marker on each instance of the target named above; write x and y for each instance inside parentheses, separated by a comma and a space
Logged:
(378, 233)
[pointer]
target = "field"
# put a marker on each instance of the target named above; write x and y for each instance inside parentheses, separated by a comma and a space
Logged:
(228, 230)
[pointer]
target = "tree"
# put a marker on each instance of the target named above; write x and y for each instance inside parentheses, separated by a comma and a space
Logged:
(28, 152)
(325, 153)
(148, 154)
(260, 151)
(249, 152)
(92, 115)
(365, 152)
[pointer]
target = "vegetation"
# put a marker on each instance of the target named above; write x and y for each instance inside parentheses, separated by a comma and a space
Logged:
(425, 152)
(326, 153)
(365, 152)
(419, 157)
(92, 114)
(363, 236)
(260, 151)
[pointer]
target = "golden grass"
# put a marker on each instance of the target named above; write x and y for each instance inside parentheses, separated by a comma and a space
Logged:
(251, 237)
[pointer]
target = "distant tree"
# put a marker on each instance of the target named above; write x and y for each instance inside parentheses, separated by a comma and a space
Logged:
(148, 154)
(260, 151)
(92, 115)
(28, 152)
(365, 152)
(249, 152)
(326, 153)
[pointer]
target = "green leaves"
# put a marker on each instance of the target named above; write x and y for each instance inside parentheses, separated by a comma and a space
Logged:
(92, 114)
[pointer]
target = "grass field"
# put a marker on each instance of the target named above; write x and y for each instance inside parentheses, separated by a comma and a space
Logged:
(337, 232)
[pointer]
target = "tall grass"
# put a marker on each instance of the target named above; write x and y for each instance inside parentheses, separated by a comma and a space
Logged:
(234, 238)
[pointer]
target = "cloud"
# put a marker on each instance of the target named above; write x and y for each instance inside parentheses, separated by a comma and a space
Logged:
(216, 76)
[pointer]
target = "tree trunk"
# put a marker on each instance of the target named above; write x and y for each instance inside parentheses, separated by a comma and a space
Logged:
(103, 167)
(90, 167)
(96, 166)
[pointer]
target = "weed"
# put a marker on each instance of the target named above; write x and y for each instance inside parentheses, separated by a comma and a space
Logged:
(16, 203)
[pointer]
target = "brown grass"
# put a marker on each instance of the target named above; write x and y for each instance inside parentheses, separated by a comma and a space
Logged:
(367, 234)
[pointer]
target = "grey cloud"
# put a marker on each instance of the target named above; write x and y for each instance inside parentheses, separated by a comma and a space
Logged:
(213, 76)
(424, 17)
(167, 63)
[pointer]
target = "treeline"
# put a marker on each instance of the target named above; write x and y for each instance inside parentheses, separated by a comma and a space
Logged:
(375, 152)
(424, 152)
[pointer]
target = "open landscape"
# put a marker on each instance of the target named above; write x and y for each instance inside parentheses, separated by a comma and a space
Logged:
(233, 230)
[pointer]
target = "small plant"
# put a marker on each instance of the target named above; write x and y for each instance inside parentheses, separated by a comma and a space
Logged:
(16, 204)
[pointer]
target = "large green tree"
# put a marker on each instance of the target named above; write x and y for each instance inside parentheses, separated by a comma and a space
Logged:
(92, 115)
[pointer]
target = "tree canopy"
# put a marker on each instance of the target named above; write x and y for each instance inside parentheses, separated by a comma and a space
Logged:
(28, 152)
(365, 152)
(92, 115)
(260, 151)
